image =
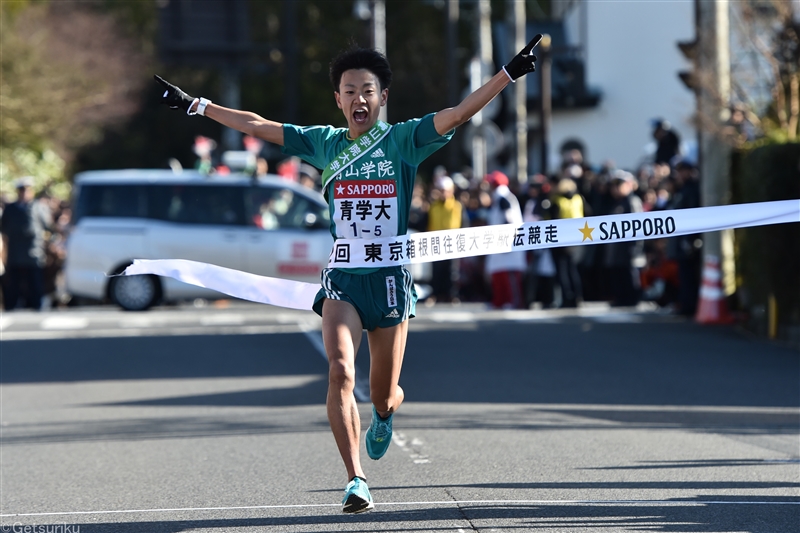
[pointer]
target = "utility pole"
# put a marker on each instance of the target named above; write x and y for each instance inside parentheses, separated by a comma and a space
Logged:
(290, 60)
(516, 20)
(379, 37)
(545, 100)
(231, 97)
(714, 88)
(479, 68)
(452, 73)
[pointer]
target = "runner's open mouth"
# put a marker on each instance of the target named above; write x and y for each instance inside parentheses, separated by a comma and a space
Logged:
(360, 116)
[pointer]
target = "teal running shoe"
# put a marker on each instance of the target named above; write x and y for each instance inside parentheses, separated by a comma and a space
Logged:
(379, 435)
(356, 497)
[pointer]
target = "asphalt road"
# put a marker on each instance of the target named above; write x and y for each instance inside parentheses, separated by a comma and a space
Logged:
(213, 420)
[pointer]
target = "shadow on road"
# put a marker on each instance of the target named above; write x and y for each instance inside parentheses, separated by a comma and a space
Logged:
(201, 356)
(139, 429)
(678, 364)
(691, 516)
(312, 393)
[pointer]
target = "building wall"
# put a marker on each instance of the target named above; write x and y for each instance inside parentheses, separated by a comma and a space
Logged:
(633, 58)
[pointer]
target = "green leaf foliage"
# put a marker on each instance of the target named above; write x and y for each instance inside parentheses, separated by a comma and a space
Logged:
(768, 258)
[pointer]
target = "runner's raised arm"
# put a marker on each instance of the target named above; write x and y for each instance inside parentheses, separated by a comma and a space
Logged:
(245, 121)
(522, 64)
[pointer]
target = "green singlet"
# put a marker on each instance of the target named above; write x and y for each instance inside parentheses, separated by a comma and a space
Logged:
(368, 199)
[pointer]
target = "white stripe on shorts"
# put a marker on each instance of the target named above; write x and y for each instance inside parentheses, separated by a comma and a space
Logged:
(327, 286)
(407, 284)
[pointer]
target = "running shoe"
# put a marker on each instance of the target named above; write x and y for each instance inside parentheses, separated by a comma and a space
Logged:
(356, 497)
(379, 435)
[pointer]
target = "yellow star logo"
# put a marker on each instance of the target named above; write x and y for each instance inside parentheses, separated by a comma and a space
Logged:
(587, 231)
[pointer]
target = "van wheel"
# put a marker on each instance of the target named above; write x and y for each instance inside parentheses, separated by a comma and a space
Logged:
(135, 293)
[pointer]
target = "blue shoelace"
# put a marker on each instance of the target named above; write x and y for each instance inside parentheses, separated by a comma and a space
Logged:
(382, 428)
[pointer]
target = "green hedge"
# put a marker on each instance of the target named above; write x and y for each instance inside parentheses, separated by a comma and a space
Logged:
(768, 257)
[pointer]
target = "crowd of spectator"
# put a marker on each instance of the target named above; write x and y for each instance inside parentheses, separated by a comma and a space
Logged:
(665, 271)
(33, 248)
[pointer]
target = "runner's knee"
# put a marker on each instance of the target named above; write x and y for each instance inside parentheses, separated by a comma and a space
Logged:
(386, 403)
(342, 374)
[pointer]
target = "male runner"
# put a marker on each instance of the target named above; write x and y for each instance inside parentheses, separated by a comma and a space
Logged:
(369, 171)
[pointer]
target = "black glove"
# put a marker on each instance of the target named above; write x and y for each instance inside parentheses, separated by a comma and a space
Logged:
(173, 96)
(523, 62)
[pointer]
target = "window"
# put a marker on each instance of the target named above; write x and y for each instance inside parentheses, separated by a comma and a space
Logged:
(273, 208)
(111, 201)
(197, 204)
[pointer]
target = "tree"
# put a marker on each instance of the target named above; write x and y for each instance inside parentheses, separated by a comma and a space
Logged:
(766, 78)
(321, 28)
(67, 70)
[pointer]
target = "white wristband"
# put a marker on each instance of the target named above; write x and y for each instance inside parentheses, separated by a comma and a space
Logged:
(509, 75)
(201, 107)
(189, 111)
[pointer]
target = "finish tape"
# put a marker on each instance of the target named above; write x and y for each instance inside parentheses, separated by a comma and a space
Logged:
(468, 242)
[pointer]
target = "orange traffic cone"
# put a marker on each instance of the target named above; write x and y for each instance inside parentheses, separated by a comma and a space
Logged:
(712, 308)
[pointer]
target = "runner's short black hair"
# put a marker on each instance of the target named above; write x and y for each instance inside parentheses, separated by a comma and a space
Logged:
(356, 57)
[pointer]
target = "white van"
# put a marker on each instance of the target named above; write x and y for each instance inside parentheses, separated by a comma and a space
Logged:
(267, 226)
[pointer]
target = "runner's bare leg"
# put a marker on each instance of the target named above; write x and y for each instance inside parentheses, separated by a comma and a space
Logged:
(341, 333)
(386, 349)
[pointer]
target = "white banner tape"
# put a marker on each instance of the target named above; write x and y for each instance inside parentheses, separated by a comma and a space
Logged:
(452, 244)
(261, 289)
(485, 240)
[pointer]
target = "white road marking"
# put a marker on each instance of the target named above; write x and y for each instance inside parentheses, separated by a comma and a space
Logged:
(5, 322)
(64, 322)
(135, 332)
(618, 318)
(136, 322)
(222, 320)
(648, 503)
(456, 316)
(414, 454)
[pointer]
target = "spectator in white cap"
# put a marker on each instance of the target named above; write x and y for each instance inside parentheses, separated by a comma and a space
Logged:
(505, 270)
(445, 213)
(624, 259)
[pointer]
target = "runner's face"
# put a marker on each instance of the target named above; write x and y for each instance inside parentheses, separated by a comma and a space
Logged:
(360, 98)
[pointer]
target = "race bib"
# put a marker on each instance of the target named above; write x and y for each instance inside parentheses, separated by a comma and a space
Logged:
(365, 209)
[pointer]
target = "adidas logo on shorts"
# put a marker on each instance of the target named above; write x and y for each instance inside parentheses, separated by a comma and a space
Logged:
(393, 314)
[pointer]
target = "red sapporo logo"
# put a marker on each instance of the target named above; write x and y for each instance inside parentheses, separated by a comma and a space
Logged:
(365, 189)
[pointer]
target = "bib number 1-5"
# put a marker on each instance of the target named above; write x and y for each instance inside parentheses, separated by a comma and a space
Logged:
(364, 232)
